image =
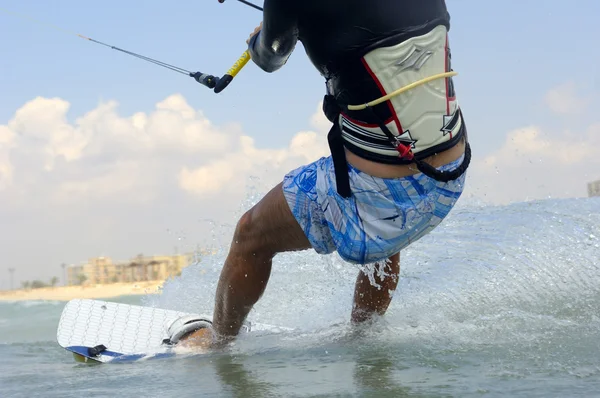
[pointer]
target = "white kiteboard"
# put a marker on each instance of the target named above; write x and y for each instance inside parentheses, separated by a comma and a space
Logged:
(102, 331)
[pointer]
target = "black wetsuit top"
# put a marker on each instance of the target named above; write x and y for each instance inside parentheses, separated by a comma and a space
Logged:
(335, 32)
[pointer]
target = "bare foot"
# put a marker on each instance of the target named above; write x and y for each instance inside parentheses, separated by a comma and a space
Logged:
(201, 338)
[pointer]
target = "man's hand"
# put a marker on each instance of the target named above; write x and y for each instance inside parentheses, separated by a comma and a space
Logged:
(256, 30)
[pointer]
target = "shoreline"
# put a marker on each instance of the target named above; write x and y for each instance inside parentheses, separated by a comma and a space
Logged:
(66, 293)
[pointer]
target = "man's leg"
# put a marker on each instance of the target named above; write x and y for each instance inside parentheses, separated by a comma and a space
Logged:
(368, 299)
(262, 232)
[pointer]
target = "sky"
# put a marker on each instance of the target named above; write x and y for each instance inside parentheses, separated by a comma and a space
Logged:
(103, 154)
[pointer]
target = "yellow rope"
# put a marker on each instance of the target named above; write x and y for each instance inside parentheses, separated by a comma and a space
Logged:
(401, 90)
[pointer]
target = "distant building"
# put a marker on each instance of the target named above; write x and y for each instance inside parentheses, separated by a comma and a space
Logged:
(102, 270)
(594, 188)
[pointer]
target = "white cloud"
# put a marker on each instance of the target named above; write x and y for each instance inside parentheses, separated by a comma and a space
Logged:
(122, 182)
(564, 100)
(7, 141)
(536, 163)
(103, 156)
(43, 120)
(106, 156)
(319, 121)
(105, 183)
(533, 165)
(229, 172)
(174, 127)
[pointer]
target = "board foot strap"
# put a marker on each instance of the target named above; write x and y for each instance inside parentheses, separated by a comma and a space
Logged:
(183, 326)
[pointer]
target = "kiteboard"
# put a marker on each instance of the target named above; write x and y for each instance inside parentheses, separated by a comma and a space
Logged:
(101, 332)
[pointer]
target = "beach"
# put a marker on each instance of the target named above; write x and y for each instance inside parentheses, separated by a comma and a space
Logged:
(66, 293)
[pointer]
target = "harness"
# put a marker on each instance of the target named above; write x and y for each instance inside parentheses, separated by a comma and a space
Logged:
(332, 107)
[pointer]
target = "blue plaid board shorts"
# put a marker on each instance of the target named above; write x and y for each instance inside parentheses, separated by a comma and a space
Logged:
(383, 215)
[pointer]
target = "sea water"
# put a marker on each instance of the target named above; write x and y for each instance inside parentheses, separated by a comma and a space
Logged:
(497, 301)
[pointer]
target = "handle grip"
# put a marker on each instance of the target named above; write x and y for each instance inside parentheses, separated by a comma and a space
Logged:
(231, 73)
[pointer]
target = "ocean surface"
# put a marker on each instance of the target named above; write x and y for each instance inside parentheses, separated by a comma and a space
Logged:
(499, 301)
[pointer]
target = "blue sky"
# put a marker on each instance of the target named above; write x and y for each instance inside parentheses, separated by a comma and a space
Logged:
(528, 73)
(523, 47)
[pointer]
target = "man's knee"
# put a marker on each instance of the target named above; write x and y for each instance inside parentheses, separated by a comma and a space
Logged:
(249, 237)
(245, 227)
(269, 227)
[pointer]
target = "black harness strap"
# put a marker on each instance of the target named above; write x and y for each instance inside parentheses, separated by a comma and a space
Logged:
(338, 155)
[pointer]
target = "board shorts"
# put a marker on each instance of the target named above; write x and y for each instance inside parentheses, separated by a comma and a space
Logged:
(383, 215)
